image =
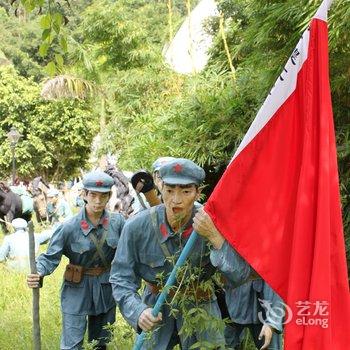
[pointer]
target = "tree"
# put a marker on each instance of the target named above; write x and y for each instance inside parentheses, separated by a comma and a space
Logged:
(57, 135)
(20, 44)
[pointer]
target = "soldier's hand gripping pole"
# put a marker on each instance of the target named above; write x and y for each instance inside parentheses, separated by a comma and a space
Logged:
(169, 283)
(35, 305)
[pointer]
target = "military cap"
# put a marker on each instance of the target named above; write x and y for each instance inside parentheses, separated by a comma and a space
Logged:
(181, 171)
(160, 162)
(19, 224)
(98, 181)
(53, 192)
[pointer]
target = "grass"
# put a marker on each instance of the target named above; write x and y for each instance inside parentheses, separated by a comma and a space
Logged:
(16, 312)
(16, 306)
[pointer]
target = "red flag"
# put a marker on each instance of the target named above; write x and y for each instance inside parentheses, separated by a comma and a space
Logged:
(278, 201)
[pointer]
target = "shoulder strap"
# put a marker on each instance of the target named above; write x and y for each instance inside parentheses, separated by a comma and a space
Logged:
(163, 246)
(99, 244)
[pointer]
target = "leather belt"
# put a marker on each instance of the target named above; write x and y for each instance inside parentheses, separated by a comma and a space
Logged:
(95, 271)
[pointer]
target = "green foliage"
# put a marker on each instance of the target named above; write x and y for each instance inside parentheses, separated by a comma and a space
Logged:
(118, 40)
(109, 37)
(56, 135)
(20, 42)
(195, 312)
(15, 308)
(123, 336)
(53, 35)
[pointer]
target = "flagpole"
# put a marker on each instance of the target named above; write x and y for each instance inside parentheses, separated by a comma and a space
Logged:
(329, 3)
(169, 283)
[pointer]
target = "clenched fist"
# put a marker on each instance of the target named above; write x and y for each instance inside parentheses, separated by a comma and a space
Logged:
(147, 321)
(34, 280)
(204, 225)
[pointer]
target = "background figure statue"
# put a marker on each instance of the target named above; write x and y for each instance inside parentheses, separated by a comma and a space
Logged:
(15, 247)
(58, 208)
(121, 200)
(38, 189)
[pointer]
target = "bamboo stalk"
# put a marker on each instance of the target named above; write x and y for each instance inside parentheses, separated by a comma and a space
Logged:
(227, 50)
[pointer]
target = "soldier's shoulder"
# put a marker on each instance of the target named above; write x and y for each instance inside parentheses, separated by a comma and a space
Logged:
(116, 217)
(140, 218)
(116, 220)
(140, 226)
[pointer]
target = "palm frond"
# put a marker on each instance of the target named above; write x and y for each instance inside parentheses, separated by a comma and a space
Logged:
(67, 86)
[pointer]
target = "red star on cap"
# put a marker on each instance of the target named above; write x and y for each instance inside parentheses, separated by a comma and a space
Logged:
(99, 183)
(177, 168)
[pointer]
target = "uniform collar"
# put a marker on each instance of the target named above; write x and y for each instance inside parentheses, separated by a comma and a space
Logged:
(85, 224)
(166, 230)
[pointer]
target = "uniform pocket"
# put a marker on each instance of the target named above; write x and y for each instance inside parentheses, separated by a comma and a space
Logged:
(150, 266)
(80, 247)
(152, 260)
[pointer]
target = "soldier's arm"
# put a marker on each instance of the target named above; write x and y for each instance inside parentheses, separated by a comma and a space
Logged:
(117, 222)
(47, 262)
(275, 310)
(43, 237)
(124, 279)
(236, 270)
(223, 256)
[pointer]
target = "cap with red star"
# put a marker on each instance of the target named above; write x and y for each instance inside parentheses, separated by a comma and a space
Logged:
(160, 162)
(181, 171)
(98, 181)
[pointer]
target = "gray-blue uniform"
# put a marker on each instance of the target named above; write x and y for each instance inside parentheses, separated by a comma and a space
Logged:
(140, 256)
(146, 240)
(89, 301)
(243, 304)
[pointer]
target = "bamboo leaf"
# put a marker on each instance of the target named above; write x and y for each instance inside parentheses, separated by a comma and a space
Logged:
(59, 60)
(51, 68)
(43, 49)
(63, 44)
(45, 21)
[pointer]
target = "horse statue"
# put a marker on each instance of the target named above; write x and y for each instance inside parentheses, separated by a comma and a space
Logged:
(14, 205)
(38, 189)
